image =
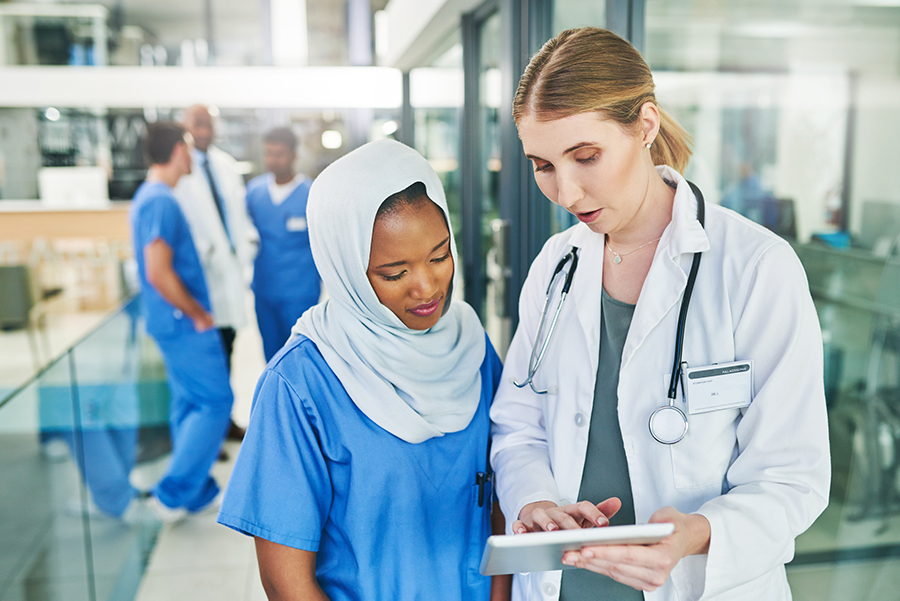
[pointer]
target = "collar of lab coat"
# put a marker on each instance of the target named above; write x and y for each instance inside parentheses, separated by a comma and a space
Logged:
(665, 281)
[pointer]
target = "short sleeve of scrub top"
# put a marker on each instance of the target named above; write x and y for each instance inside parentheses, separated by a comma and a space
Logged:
(386, 518)
(159, 218)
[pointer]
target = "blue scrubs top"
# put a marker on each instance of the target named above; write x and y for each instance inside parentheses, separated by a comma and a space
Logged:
(388, 519)
(284, 266)
(155, 214)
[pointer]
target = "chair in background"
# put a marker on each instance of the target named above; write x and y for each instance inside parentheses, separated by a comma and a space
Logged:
(18, 306)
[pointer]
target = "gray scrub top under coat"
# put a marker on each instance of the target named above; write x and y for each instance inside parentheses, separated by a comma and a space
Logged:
(605, 467)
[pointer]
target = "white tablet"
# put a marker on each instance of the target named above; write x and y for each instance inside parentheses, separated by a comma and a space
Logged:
(543, 551)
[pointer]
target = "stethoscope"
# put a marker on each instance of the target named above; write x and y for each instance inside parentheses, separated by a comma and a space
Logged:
(668, 423)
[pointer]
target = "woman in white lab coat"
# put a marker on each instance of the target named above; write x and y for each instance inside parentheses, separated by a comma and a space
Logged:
(751, 473)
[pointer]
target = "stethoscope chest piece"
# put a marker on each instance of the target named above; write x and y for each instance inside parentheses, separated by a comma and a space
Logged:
(668, 424)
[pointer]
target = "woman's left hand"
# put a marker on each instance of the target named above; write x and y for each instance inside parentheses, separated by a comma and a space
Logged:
(647, 567)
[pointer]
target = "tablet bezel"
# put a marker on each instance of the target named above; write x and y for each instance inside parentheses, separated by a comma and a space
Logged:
(543, 551)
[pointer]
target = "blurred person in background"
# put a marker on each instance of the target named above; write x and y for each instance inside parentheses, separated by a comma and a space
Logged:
(285, 278)
(212, 199)
(176, 308)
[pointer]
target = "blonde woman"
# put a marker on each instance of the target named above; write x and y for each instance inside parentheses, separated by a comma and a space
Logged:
(601, 431)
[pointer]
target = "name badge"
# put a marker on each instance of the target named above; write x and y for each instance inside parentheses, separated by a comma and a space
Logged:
(296, 224)
(719, 386)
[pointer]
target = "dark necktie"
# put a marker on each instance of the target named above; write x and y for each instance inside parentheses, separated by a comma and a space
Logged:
(216, 197)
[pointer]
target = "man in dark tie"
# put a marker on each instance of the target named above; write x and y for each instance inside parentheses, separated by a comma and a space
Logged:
(212, 199)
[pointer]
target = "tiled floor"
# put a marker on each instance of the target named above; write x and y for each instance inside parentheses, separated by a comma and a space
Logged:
(199, 560)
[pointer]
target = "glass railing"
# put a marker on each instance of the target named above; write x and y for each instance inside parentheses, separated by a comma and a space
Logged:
(76, 441)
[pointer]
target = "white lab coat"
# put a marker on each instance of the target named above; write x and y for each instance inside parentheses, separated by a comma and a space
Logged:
(227, 272)
(760, 475)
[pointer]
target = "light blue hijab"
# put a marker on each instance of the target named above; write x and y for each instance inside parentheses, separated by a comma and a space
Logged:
(414, 384)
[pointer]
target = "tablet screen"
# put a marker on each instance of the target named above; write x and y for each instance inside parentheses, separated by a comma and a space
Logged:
(543, 551)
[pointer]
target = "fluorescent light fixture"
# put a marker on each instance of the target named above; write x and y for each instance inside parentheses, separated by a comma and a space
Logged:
(389, 127)
(332, 139)
(52, 114)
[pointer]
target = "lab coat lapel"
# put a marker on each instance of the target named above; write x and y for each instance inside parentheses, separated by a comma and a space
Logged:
(200, 202)
(667, 278)
(587, 287)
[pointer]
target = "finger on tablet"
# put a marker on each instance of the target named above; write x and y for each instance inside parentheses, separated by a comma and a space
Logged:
(591, 515)
(564, 519)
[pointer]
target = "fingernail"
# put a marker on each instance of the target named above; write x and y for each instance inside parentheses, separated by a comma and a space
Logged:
(520, 530)
(551, 528)
(569, 561)
(602, 521)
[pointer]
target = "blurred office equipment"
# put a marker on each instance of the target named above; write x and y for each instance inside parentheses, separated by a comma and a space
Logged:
(69, 187)
(53, 34)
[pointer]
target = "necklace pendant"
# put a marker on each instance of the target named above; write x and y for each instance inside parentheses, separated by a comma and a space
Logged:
(617, 259)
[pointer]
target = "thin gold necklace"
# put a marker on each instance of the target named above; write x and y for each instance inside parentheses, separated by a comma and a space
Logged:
(618, 256)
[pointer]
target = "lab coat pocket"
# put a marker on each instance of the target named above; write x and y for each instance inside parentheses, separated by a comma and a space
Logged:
(704, 454)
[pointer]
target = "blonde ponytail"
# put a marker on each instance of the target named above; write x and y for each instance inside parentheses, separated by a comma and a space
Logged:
(672, 144)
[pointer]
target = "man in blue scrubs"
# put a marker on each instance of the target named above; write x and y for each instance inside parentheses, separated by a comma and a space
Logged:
(285, 279)
(175, 305)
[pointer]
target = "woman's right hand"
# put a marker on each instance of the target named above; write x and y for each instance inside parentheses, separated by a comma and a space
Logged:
(548, 516)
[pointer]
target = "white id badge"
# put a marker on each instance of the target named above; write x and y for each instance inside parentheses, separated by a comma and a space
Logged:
(719, 386)
(296, 224)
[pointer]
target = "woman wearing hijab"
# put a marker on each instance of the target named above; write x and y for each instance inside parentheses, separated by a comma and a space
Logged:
(362, 473)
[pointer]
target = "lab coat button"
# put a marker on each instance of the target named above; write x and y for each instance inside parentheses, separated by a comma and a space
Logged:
(579, 419)
(549, 589)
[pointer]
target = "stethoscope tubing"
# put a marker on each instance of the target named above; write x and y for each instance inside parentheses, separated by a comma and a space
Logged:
(533, 364)
(686, 301)
(537, 356)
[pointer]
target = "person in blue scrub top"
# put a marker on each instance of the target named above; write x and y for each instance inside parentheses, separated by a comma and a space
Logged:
(176, 308)
(362, 475)
(285, 279)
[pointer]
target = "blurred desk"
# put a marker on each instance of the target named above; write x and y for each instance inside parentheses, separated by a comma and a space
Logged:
(78, 250)
(25, 220)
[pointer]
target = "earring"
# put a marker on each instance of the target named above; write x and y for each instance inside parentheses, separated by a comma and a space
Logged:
(648, 145)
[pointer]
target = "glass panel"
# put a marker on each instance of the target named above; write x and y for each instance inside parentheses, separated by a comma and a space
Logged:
(44, 554)
(98, 415)
(494, 310)
(793, 108)
(123, 402)
(436, 95)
